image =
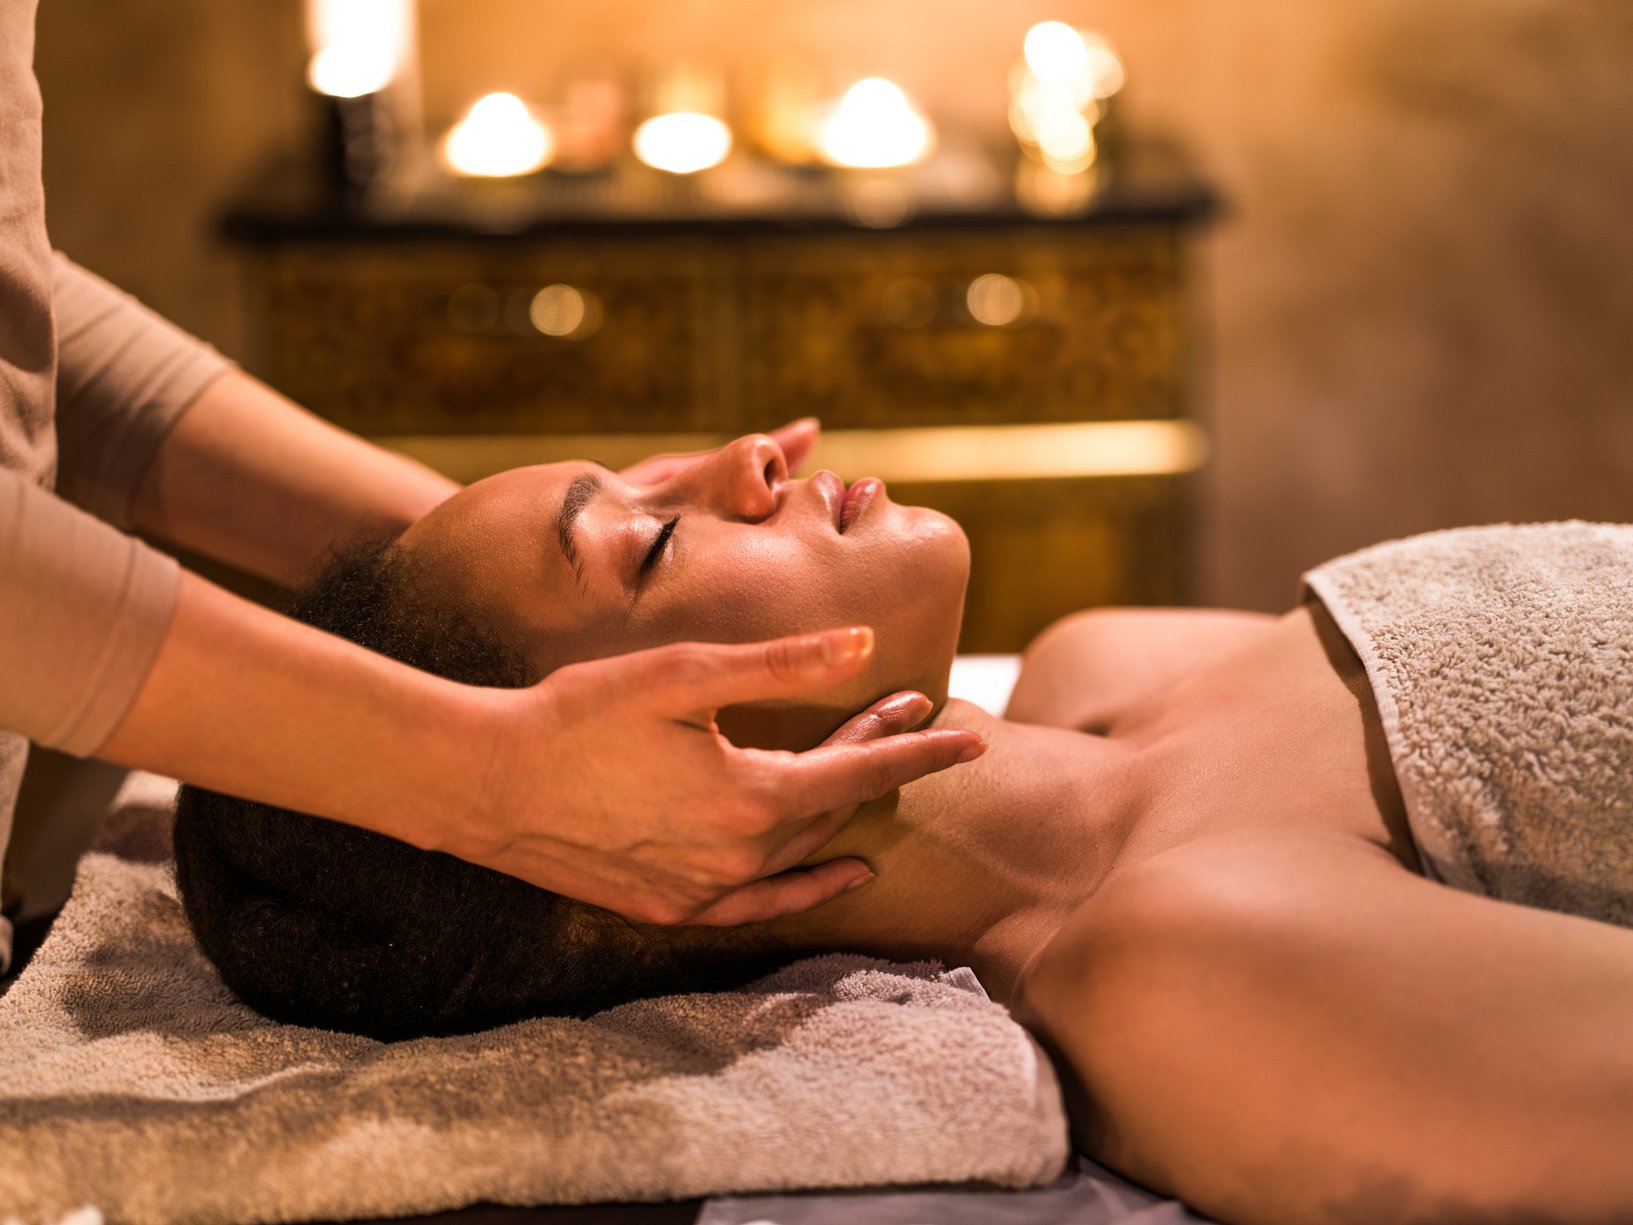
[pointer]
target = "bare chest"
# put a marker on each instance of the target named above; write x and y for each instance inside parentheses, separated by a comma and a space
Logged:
(1284, 734)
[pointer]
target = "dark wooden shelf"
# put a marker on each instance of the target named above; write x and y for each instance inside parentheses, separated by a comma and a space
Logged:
(289, 201)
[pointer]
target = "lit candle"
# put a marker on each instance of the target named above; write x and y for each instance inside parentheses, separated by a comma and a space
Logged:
(683, 142)
(498, 138)
(685, 132)
(875, 126)
(1056, 94)
(357, 45)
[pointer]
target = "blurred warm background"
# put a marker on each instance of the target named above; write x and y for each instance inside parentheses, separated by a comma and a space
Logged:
(1411, 311)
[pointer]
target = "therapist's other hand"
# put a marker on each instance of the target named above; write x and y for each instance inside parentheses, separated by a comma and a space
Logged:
(797, 440)
(610, 782)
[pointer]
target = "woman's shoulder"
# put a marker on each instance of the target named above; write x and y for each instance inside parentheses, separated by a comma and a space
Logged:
(1084, 669)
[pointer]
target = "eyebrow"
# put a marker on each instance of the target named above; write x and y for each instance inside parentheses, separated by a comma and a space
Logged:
(577, 498)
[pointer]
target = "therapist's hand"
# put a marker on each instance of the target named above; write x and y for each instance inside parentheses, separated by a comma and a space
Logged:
(797, 439)
(610, 782)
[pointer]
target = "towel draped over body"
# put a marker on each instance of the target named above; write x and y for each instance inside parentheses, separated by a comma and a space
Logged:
(1501, 660)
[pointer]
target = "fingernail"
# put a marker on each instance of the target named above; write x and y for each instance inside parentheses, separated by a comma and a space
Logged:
(860, 881)
(915, 708)
(847, 646)
(975, 750)
(909, 709)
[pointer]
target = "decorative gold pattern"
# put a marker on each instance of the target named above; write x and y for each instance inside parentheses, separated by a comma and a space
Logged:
(827, 327)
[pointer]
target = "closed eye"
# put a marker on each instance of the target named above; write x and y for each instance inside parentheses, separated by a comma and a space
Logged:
(656, 551)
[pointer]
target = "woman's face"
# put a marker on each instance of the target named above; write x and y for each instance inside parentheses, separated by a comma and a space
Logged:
(571, 563)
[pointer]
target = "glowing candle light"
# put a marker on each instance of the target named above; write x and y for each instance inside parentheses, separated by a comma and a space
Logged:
(357, 45)
(1066, 141)
(498, 138)
(1056, 95)
(1057, 55)
(1035, 105)
(875, 126)
(682, 142)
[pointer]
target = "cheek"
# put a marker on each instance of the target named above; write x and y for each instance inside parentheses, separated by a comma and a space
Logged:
(752, 585)
(761, 586)
(907, 583)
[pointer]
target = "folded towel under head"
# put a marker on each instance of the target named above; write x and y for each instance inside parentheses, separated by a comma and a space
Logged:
(1501, 660)
(131, 1079)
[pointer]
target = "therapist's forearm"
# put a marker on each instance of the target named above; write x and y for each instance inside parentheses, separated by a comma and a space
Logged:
(249, 478)
(242, 700)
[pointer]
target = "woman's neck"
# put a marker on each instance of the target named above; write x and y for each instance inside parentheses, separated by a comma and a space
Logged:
(979, 865)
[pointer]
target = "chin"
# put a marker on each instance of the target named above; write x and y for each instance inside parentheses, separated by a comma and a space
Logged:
(933, 549)
(942, 569)
(918, 649)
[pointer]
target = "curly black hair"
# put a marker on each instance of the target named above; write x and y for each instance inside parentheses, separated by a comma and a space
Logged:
(317, 923)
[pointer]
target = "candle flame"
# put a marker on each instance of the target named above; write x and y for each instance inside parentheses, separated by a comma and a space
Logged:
(357, 46)
(875, 126)
(682, 142)
(498, 138)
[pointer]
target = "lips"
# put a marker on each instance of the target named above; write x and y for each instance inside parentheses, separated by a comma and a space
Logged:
(845, 506)
(832, 491)
(856, 501)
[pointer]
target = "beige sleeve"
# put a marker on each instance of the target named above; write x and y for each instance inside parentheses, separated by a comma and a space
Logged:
(83, 610)
(124, 377)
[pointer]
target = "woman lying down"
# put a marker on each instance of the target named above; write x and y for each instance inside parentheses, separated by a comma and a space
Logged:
(1185, 861)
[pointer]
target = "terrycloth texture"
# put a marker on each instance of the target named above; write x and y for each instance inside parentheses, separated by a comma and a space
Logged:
(132, 1080)
(1501, 659)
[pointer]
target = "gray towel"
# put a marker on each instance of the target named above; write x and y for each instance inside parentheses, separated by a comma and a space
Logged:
(131, 1079)
(1501, 659)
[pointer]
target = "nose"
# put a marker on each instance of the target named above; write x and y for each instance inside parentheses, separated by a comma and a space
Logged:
(745, 477)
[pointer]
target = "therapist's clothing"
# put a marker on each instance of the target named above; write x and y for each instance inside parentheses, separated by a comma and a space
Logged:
(90, 383)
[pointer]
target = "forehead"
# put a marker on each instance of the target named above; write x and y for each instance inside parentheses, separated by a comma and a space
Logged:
(518, 507)
(496, 543)
(517, 495)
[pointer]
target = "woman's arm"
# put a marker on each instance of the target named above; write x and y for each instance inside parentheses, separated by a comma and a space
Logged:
(249, 478)
(1087, 668)
(1294, 1029)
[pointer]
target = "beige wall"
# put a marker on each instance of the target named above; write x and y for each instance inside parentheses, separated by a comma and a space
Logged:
(1418, 308)
(155, 110)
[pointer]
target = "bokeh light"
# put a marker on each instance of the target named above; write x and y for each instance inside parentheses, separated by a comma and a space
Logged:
(498, 138)
(565, 311)
(357, 45)
(875, 126)
(682, 142)
(997, 300)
